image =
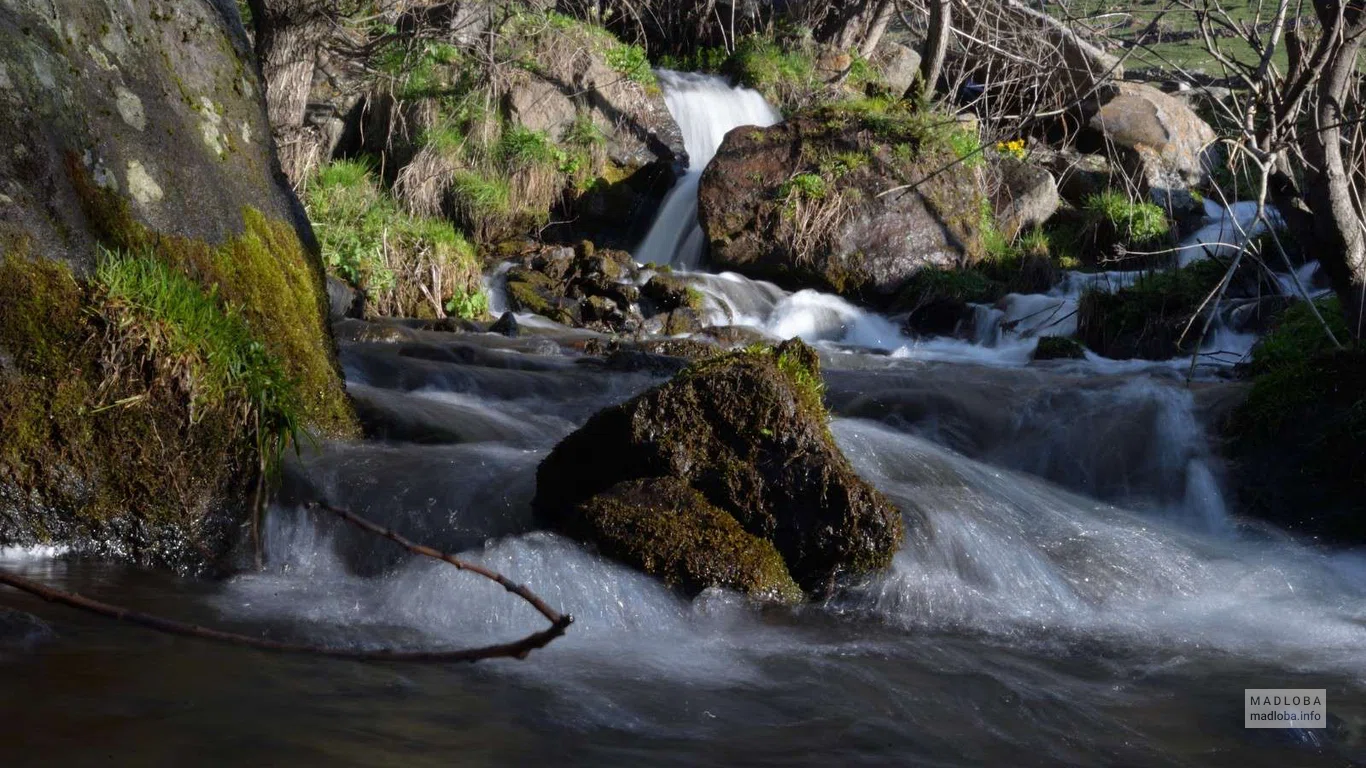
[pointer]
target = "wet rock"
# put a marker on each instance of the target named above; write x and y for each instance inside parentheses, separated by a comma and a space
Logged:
(343, 300)
(582, 286)
(748, 431)
(360, 331)
(681, 322)
(1161, 140)
(506, 325)
(803, 203)
(734, 335)
(667, 529)
(21, 631)
(670, 292)
(1059, 348)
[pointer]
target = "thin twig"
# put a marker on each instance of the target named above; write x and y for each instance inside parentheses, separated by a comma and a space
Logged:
(516, 650)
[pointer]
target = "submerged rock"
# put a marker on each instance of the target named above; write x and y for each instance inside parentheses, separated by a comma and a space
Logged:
(848, 201)
(748, 431)
(1059, 348)
(23, 631)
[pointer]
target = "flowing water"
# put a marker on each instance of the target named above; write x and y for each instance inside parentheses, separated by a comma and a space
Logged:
(1082, 592)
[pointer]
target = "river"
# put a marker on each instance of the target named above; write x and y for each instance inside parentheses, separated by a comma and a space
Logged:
(1082, 594)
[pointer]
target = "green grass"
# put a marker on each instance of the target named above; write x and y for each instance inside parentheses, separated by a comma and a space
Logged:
(369, 241)
(222, 362)
(1133, 222)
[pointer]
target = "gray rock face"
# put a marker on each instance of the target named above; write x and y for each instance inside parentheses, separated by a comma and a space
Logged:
(1161, 140)
(89, 88)
(1078, 175)
(633, 117)
(899, 65)
(1027, 197)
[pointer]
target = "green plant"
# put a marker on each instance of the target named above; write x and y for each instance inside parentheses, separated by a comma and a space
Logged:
(631, 61)
(401, 261)
(1133, 221)
(195, 332)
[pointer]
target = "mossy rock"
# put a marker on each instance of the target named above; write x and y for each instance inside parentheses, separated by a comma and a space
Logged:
(670, 292)
(1147, 319)
(666, 529)
(748, 430)
(1059, 348)
(1297, 444)
(149, 132)
(852, 199)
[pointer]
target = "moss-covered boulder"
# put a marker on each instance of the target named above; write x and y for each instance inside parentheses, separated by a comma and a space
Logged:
(1150, 319)
(748, 431)
(1297, 444)
(1059, 348)
(665, 528)
(162, 306)
(851, 199)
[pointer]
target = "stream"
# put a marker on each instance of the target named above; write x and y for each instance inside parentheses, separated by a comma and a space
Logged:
(1083, 594)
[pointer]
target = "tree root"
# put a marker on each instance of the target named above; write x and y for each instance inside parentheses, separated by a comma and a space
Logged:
(517, 649)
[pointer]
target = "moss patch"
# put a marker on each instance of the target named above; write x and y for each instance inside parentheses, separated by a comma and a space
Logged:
(1299, 440)
(664, 528)
(1147, 319)
(266, 274)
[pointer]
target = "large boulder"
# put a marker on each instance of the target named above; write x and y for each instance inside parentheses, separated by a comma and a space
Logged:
(137, 178)
(748, 432)
(845, 201)
(899, 65)
(1161, 141)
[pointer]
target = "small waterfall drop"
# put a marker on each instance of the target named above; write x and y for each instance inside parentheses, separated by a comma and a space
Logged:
(706, 108)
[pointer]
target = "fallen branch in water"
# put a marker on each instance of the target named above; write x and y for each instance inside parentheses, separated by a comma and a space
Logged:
(518, 650)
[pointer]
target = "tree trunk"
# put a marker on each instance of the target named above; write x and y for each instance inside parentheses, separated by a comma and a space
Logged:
(877, 28)
(847, 26)
(936, 48)
(289, 34)
(1339, 241)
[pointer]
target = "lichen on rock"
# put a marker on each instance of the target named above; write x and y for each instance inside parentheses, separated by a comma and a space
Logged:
(115, 439)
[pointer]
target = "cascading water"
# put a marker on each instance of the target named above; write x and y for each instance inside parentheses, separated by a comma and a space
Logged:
(1080, 592)
(706, 109)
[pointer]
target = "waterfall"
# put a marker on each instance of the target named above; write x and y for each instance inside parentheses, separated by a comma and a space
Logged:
(706, 109)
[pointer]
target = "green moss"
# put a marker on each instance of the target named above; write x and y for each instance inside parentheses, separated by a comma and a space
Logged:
(1147, 319)
(1299, 439)
(210, 343)
(265, 273)
(1288, 366)
(1059, 348)
(115, 412)
(664, 528)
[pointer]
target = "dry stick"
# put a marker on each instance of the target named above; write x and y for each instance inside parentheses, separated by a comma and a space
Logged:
(516, 650)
